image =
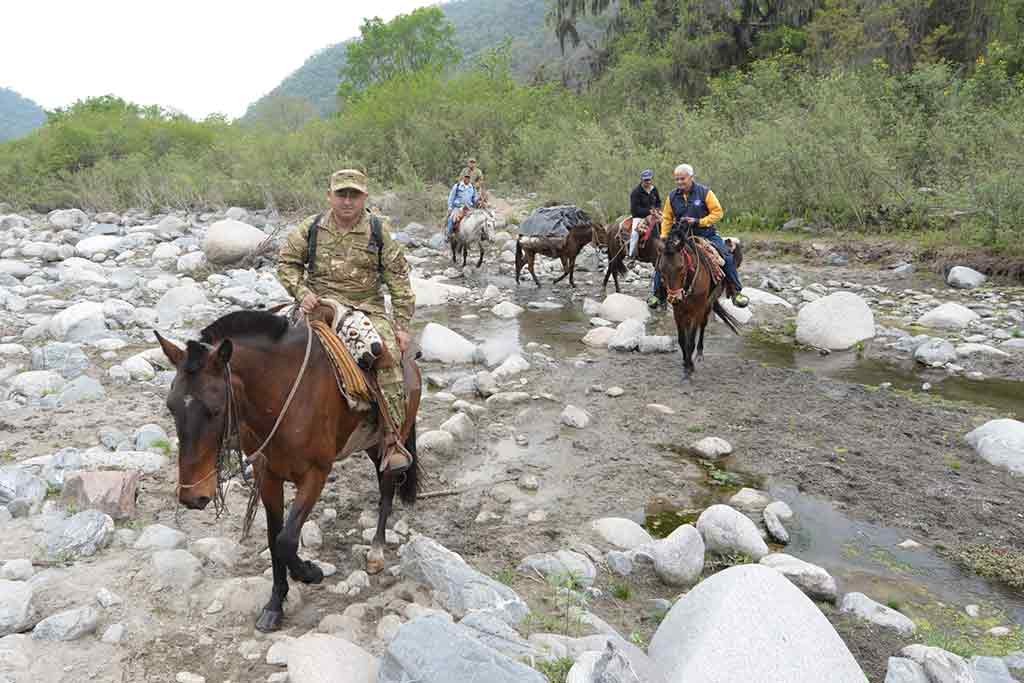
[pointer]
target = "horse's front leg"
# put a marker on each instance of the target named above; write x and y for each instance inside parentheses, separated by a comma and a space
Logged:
(465, 254)
(530, 260)
(691, 339)
(309, 488)
(272, 496)
(700, 341)
(480, 261)
(386, 484)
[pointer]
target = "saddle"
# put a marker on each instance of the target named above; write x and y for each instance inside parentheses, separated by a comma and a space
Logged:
(457, 218)
(712, 259)
(626, 228)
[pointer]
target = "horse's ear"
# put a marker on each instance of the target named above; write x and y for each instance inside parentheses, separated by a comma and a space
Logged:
(173, 352)
(223, 352)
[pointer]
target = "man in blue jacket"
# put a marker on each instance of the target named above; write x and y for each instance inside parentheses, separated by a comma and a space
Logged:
(462, 198)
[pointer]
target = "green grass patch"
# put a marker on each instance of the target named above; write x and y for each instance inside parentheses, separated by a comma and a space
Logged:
(991, 562)
(506, 576)
(622, 591)
(556, 670)
(952, 629)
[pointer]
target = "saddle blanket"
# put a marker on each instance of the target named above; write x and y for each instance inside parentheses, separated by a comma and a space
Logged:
(713, 258)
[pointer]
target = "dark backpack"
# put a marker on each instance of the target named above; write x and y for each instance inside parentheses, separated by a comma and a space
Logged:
(375, 243)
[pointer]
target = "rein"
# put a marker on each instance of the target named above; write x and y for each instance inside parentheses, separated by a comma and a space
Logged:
(679, 295)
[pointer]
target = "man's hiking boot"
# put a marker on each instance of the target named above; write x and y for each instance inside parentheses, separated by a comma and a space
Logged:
(653, 301)
(740, 301)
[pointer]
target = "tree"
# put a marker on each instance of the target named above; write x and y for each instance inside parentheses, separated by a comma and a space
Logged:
(408, 43)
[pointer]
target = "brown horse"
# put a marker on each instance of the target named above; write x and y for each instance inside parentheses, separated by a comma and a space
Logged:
(686, 274)
(579, 237)
(234, 382)
(618, 246)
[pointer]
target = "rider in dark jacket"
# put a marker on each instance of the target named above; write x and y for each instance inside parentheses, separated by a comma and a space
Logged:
(642, 200)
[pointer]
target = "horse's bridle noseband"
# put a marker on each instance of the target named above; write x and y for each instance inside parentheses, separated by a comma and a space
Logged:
(678, 296)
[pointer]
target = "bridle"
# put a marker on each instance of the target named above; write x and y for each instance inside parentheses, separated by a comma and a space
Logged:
(682, 293)
(231, 437)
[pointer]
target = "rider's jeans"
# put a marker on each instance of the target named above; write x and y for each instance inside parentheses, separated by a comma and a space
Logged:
(712, 236)
(634, 235)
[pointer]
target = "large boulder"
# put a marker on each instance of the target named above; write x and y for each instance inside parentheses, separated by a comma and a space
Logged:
(835, 322)
(67, 359)
(432, 649)
(447, 346)
(459, 588)
(1000, 442)
(110, 492)
(81, 322)
(69, 625)
(433, 293)
(748, 623)
(322, 658)
(36, 384)
(679, 558)
(726, 532)
(228, 241)
(963, 277)
(18, 611)
(627, 335)
(98, 244)
(948, 316)
(619, 307)
(939, 665)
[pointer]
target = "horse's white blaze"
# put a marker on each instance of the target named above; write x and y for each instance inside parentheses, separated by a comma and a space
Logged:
(187, 400)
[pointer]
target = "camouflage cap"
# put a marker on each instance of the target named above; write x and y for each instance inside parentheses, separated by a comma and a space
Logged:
(349, 178)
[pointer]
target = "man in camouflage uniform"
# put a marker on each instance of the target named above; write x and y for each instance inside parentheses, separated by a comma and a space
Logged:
(346, 270)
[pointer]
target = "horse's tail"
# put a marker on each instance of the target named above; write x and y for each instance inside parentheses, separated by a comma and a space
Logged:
(726, 317)
(410, 486)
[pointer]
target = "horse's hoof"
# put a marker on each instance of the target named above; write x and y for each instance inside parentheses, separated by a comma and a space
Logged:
(307, 572)
(269, 621)
(374, 562)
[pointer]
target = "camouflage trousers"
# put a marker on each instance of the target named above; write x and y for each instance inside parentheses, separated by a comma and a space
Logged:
(391, 382)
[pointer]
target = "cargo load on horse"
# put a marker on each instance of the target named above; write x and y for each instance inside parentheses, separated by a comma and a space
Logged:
(557, 232)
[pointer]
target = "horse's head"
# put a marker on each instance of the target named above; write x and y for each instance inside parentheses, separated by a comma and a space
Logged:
(674, 265)
(198, 400)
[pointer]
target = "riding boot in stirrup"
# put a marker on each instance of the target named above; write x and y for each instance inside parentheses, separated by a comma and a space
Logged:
(396, 459)
(740, 301)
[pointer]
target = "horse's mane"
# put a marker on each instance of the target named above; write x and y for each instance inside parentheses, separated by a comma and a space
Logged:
(248, 323)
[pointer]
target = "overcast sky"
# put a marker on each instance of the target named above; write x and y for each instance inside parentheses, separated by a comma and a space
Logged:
(197, 56)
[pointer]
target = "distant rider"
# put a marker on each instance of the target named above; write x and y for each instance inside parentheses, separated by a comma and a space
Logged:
(642, 200)
(694, 205)
(461, 199)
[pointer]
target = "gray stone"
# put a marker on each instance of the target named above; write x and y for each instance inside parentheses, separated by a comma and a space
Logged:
(939, 665)
(750, 500)
(865, 608)
(459, 588)
(36, 384)
(991, 670)
(322, 658)
(160, 537)
(902, 670)
(69, 625)
(727, 531)
(748, 623)
(18, 611)
(229, 241)
(506, 309)
(657, 344)
(82, 535)
(177, 569)
(559, 565)
(1001, 443)
(64, 219)
(619, 563)
(575, 417)
(948, 316)
(497, 635)
(621, 533)
(223, 552)
(150, 437)
(614, 667)
(437, 441)
(19, 484)
(433, 650)
(438, 343)
(485, 384)
(177, 304)
(935, 353)
(66, 359)
(679, 558)
(114, 634)
(17, 269)
(626, 336)
(83, 321)
(17, 570)
(460, 426)
(80, 390)
(712, 448)
(774, 526)
(813, 580)
(963, 277)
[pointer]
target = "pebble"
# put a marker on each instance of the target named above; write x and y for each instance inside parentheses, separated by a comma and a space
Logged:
(909, 544)
(973, 611)
(659, 408)
(188, 677)
(615, 392)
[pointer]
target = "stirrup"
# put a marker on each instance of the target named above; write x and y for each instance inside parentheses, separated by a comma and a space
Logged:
(392, 458)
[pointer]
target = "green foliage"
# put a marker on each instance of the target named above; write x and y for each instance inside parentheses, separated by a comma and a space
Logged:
(419, 41)
(622, 591)
(556, 670)
(1000, 564)
(18, 115)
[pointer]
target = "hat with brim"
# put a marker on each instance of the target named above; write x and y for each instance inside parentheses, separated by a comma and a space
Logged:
(647, 175)
(349, 179)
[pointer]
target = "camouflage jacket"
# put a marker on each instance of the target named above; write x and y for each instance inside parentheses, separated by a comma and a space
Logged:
(346, 270)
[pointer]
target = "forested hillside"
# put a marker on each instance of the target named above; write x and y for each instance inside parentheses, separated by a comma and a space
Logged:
(884, 116)
(18, 115)
(480, 25)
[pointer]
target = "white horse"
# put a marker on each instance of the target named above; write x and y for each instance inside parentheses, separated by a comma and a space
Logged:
(477, 227)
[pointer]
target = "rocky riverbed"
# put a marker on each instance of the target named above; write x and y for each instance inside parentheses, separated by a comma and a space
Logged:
(822, 497)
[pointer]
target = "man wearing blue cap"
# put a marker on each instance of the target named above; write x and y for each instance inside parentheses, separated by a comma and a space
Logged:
(642, 200)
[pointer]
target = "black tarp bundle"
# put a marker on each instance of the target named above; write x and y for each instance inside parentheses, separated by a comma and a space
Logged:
(553, 221)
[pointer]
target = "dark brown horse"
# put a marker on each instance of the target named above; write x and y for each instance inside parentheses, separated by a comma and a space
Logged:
(579, 237)
(686, 275)
(239, 376)
(618, 246)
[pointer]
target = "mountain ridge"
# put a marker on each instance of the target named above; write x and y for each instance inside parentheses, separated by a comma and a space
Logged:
(19, 115)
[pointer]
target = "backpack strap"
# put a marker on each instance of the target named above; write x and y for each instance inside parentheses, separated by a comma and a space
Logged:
(377, 242)
(314, 228)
